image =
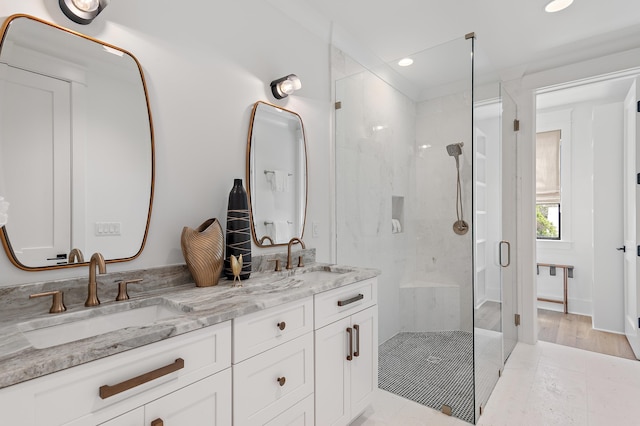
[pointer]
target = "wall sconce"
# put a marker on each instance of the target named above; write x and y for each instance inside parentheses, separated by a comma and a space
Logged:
(82, 11)
(283, 87)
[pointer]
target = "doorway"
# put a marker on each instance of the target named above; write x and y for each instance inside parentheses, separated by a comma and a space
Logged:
(580, 281)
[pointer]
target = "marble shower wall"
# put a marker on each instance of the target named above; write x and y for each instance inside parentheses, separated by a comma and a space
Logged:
(443, 256)
(384, 172)
(375, 134)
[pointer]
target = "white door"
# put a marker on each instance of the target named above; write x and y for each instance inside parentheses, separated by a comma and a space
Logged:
(35, 163)
(132, 418)
(364, 366)
(631, 199)
(204, 403)
(332, 374)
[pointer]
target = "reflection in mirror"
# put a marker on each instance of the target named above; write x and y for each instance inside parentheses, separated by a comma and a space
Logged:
(276, 174)
(76, 147)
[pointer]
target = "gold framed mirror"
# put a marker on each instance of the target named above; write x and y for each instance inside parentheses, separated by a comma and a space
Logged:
(277, 179)
(76, 147)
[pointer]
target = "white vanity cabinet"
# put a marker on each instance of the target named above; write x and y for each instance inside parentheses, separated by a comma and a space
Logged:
(273, 366)
(311, 361)
(118, 385)
(346, 352)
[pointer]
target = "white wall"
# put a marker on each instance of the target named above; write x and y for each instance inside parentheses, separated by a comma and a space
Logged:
(608, 277)
(592, 209)
(204, 69)
(574, 121)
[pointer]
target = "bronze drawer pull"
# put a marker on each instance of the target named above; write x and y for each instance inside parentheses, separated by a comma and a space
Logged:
(281, 325)
(356, 327)
(106, 391)
(348, 301)
(281, 380)
(350, 333)
(157, 422)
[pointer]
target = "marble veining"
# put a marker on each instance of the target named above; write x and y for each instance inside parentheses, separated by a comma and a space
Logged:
(201, 307)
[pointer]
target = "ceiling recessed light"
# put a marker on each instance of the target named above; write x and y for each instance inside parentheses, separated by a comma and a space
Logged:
(405, 62)
(557, 5)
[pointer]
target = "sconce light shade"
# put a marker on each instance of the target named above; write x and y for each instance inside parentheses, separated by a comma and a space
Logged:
(283, 87)
(82, 11)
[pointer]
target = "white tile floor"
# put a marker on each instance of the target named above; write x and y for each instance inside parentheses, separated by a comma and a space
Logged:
(542, 385)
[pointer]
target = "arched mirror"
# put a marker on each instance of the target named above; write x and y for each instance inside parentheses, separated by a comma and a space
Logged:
(76, 147)
(276, 174)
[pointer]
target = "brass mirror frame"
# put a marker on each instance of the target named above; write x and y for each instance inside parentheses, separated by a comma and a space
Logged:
(261, 242)
(3, 235)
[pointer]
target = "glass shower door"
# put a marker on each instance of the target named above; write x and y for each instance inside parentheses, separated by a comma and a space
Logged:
(509, 223)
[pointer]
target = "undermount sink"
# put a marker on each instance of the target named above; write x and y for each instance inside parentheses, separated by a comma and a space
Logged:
(41, 334)
(326, 273)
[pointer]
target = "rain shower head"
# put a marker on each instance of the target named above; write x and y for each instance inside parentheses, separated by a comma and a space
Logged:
(455, 149)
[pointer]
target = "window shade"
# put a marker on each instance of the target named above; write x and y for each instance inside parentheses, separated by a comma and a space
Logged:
(548, 167)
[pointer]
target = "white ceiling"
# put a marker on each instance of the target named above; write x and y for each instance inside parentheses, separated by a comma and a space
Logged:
(518, 36)
(513, 38)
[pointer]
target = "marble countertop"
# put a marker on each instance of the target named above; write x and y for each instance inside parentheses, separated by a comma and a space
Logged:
(198, 307)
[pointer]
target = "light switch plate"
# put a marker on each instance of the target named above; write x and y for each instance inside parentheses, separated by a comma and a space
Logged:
(107, 228)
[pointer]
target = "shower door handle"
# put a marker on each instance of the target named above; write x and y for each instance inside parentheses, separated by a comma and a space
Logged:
(508, 253)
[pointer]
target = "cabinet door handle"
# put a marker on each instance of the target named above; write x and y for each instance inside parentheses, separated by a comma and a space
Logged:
(157, 422)
(281, 380)
(281, 325)
(356, 327)
(351, 300)
(350, 333)
(107, 391)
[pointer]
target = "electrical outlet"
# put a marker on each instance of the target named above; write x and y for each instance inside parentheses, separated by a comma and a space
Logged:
(315, 230)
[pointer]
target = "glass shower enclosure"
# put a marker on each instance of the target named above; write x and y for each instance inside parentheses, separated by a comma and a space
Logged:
(419, 195)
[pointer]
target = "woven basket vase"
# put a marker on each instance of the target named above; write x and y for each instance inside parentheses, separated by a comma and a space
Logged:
(203, 250)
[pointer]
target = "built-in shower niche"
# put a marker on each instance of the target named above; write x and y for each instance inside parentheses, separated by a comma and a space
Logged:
(397, 214)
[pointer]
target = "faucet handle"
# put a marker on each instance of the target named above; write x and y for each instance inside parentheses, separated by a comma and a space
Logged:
(57, 304)
(278, 266)
(122, 289)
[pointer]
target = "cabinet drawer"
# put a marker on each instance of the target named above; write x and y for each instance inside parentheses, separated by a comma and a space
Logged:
(74, 393)
(300, 414)
(263, 330)
(258, 395)
(335, 304)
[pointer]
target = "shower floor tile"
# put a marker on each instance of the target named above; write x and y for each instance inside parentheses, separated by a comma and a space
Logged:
(431, 368)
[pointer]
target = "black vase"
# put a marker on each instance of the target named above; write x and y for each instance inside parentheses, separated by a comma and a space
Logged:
(238, 231)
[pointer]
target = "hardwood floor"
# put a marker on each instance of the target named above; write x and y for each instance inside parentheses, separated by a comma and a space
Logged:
(489, 316)
(576, 331)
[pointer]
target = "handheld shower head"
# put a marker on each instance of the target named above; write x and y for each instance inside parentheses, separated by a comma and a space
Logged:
(455, 149)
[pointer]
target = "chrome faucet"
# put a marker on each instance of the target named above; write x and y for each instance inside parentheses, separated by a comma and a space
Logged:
(293, 241)
(96, 260)
(75, 255)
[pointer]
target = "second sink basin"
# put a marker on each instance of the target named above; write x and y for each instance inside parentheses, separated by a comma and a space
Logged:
(42, 334)
(323, 273)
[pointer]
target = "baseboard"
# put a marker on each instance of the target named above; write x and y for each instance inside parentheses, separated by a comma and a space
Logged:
(574, 306)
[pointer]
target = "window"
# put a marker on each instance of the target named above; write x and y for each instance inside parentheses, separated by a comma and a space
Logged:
(548, 185)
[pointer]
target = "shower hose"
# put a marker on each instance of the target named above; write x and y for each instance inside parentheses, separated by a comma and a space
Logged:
(459, 212)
